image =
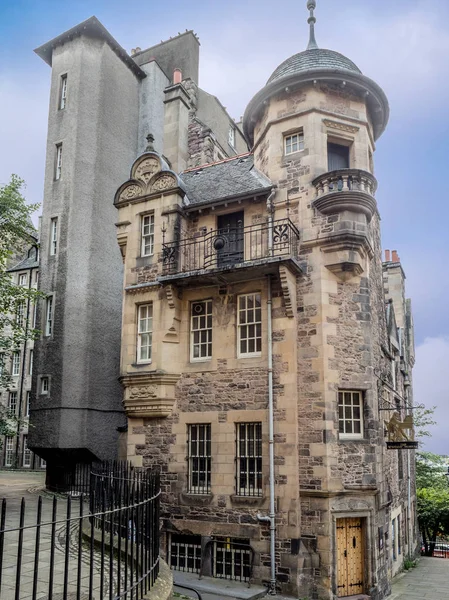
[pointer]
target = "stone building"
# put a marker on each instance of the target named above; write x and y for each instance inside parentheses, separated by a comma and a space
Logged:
(266, 347)
(15, 399)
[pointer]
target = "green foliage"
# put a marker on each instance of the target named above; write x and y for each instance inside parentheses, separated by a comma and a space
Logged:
(409, 563)
(430, 471)
(422, 419)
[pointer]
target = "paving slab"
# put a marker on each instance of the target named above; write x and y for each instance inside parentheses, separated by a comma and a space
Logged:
(212, 588)
(428, 581)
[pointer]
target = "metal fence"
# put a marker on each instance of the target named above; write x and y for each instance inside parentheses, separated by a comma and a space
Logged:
(100, 546)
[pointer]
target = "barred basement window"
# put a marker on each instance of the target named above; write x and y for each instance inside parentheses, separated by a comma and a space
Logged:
(293, 143)
(231, 559)
(145, 333)
(9, 451)
(249, 459)
(199, 458)
(350, 415)
(12, 402)
(201, 330)
(185, 552)
(147, 235)
(249, 325)
(15, 363)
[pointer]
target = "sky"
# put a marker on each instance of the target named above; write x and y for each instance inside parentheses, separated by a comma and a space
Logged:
(402, 45)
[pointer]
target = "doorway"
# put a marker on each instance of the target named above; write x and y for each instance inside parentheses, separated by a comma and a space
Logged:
(350, 556)
(230, 249)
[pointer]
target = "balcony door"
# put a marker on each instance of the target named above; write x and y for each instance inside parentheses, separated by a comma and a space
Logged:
(229, 241)
(337, 157)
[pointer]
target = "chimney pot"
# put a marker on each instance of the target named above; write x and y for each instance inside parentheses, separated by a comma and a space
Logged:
(177, 76)
(387, 256)
(395, 257)
(138, 49)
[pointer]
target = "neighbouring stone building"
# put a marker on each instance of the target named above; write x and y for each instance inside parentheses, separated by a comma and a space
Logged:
(266, 348)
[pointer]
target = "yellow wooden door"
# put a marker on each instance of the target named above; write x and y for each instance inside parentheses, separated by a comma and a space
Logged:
(349, 557)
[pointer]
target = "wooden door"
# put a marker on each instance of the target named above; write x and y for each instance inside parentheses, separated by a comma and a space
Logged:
(350, 545)
(230, 235)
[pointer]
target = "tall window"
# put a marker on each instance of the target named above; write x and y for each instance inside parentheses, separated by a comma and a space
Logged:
(45, 385)
(20, 313)
(293, 143)
(53, 236)
(144, 332)
(49, 316)
(249, 325)
(26, 461)
(199, 458)
(201, 330)
(399, 533)
(12, 402)
(393, 538)
(350, 415)
(30, 364)
(9, 451)
(58, 165)
(63, 92)
(15, 363)
(249, 459)
(23, 279)
(27, 404)
(147, 235)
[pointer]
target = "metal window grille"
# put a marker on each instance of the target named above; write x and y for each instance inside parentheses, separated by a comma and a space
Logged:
(201, 330)
(249, 459)
(49, 316)
(23, 279)
(350, 414)
(26, 461)
(53, 236)
(147, 235)
(232, 559)
(294, 143)
(12, 402)
(58, 168)
(144, 332)
(63, 94)
(249, 325)
(199, 458)
(45, 385)
(15, 363)
(20, 313)
(9, 451)
(185, 553)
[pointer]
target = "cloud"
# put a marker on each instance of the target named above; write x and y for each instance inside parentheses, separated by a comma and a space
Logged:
(431, 387)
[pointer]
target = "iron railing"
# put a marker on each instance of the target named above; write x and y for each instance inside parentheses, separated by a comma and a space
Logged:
(101, 546)
(224, 248)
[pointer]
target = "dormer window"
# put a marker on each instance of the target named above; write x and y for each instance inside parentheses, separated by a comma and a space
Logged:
(294, 143)
(231, 138)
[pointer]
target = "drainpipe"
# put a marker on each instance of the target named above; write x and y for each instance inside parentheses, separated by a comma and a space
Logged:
(270, 210)
(272, 516)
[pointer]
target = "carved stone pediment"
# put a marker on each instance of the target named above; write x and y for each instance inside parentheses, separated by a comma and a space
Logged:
(149, 395)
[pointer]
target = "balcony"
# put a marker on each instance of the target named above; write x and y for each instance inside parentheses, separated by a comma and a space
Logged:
(350, 190)
(224, 254)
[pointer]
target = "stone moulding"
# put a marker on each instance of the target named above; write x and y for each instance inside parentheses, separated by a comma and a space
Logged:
(149, 395)
(336, 202)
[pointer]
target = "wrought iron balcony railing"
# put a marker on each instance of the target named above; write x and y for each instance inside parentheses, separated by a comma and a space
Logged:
(225, 248)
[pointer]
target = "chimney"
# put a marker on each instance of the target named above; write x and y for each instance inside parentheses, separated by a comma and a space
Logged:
(138, 49)
(387, 256)
(177, 76)
(395, 257)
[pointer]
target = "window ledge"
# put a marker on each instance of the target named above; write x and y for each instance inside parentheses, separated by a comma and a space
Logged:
(248, 500)
(196, 499)
(355, 440)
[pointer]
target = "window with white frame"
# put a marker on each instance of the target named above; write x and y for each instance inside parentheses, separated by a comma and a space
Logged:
(27, 404)
(12, 402)
(201, 330)
(58, 163)
(144, 332)
(20, 313)
(23, 279)
(45, 384)
(34, 308)
(350, 414)
(15, 363)
(249, 459)
(249, 325)
(42, 463)
(49, 316)
(231, 136)
(9, 451)
(30, 363)
(53, 236)
(63, 92)
(26, 458)
(147, 235)
(293, 143)
(199, 457)
(393, 539)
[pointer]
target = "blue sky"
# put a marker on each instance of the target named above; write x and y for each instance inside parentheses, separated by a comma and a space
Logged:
(403, 45)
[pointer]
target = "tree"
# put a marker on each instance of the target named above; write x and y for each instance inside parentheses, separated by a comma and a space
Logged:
(16, 234)
(422, 419)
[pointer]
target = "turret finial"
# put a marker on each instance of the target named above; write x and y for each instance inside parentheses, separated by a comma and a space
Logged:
(311, 5)
(150, 140)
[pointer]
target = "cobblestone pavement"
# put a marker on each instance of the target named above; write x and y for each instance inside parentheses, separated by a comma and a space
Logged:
(14, 486)
(428, 581)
